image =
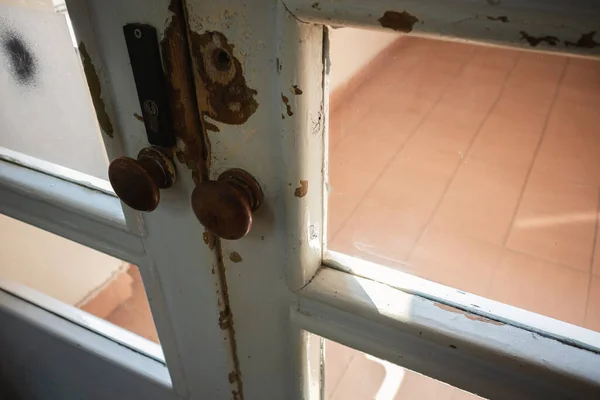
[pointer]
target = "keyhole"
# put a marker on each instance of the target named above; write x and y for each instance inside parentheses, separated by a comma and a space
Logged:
(222, 60)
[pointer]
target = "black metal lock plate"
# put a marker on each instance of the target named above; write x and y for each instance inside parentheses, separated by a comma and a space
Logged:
(144, 54)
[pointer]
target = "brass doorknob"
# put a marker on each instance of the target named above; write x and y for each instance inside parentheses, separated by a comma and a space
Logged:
(138, 182)
(225, 206)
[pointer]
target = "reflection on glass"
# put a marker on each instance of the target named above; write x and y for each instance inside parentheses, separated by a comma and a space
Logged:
(76, 275)
(472, 166)
(45, 107)
(352, 375)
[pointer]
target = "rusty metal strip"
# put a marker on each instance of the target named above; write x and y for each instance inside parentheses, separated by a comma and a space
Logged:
(187, 95)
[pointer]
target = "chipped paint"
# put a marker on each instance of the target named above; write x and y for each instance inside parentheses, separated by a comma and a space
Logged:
(296, 90)
(534, 41)
(232, 377)
(585, 41)
(398, 21)
(468, 315)
(221, 89)
(288, 107)
(193, 149)
(235, 257)
(225, 318)
(209, 239)
(93, 82)
(301, 190)
(502, 18)
(138, 117)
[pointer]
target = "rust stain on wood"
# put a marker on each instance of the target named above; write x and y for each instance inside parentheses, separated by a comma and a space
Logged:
(209, 239)
(206, 79)
(93, 82)
(194, 149)
(536, 40)
(235, 257)
(296, 90)
(221, 87)
(398, 21)
(225, 318)
(468, 315)
(286, 102)
(301, 190)
(585, 41)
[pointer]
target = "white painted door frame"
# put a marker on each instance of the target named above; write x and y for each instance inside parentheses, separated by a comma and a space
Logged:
(285, 285)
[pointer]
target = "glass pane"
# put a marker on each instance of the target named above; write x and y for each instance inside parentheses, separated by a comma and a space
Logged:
(76, 275)
(476, 167)
(45, 108)
(353, 375)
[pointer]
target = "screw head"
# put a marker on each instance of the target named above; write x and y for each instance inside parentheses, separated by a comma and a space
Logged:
(151, 108)
(137, 33)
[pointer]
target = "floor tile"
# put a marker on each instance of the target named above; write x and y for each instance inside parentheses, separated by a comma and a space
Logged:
(494, 184)
(387, 224)
(362, 380)
(581, 82)
(571, 147)
(592, 315)
(458, 394)
(354, 167)
(394, 128)
(556, 221)
(505, 142)
(417, 386)
(456, 261)
(480, 201)
(495, 57)
(535, 285)
(134, 314)
(337, 361)
(596, 254)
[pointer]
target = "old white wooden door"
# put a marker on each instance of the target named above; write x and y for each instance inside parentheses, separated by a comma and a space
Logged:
(246, 318)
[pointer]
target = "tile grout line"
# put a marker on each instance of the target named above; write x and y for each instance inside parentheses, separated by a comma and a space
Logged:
(591, 272)
(469, 148)
(400, 148)
(346, 368)
(535, 154)
(362, 84)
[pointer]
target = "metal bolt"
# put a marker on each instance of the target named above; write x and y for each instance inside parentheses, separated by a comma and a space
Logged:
(151, 108)
(137, 33)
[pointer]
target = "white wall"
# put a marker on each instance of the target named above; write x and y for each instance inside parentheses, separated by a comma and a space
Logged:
(352, 49)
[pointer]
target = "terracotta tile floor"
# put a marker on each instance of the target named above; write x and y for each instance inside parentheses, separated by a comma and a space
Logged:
(352, 375)
(134, 312)
(478, 168)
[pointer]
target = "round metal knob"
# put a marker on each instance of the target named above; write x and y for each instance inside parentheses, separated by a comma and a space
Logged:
(225, 206)
(138, 182)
